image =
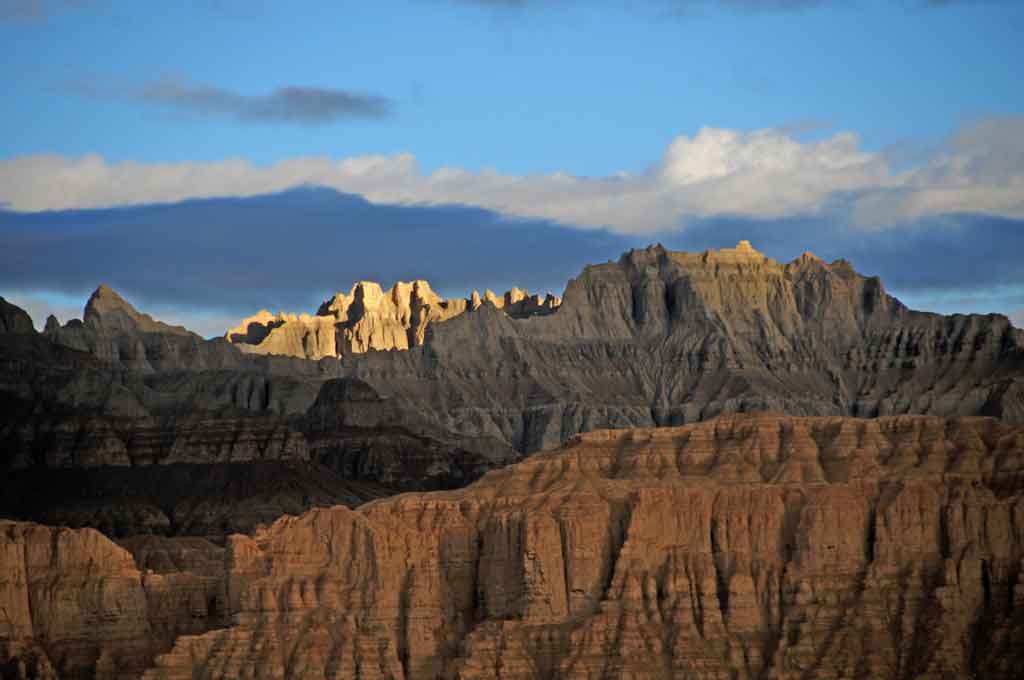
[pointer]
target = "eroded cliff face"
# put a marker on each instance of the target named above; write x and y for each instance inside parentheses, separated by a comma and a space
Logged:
(656, 338)
(76, 605)
(13, 319)
(744, 547)
(115, 332)
(368, 318)
(73, 605)
(85, 441)
(666, 338)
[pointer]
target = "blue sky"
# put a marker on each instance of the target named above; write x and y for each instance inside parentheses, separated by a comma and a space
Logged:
(622, 121)
(589, 88)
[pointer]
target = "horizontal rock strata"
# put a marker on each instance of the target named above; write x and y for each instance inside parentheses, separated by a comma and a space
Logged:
(655, 338)
(744, 547)
(666, 338)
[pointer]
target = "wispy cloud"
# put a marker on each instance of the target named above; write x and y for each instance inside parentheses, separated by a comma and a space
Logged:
(21, 9)
(36, 9)
(765, 174)
(683, 7)
(297, 104)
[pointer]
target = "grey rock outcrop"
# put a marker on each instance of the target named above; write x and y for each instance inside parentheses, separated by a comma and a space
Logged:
(655, 338)
(14, 319)
(665, 338)
(114, 331)
(91, 437)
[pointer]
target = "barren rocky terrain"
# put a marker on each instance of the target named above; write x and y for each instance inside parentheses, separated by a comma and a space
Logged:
(749, 546)
(693, 465)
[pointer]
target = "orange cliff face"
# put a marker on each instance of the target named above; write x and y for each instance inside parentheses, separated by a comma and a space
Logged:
(73, 604)
(748, 546)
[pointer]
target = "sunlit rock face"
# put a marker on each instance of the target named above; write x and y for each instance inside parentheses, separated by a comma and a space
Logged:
(655, 338)
(368, 318)
(73, 603)
(750, 546)
(664, 338)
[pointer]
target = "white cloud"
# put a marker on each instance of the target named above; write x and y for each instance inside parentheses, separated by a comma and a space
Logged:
(761, 174)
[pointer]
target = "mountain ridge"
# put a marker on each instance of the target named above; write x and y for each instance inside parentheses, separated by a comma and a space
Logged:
(654, 338)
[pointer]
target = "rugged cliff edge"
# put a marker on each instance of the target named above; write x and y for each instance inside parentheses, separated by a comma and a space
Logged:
(131, 426)
(665, 338)
(745, 547)
(76, 605)
(749, 546)
(367, 319)
(655, 338)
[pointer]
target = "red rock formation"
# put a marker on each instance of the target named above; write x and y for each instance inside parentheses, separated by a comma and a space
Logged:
(744, 547)
(73, 605)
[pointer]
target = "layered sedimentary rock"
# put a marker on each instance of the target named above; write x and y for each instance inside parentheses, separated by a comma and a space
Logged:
(115, 332)
(656, 338)
(210, 500)
(362, 436)
(76, 605)
(664, 338)
(183, 580)
(73, 605)
(368, 318)
(88, 440)
(744, 547)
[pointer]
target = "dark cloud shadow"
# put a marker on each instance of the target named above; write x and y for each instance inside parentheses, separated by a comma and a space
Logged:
(289, 104)
(33, 10)
(288, 251)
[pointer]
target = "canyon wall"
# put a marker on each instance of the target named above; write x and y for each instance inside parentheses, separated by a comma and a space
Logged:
(656, 338)
(666, 338)
(748, 546)
(744, 547)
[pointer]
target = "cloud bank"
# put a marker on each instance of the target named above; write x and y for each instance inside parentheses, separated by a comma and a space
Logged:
(284, 251)
(205, 263)
(765, 174)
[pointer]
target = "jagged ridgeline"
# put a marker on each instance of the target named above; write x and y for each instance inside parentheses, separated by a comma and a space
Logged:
(748, 546)
(655, 338)
(367, 319)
